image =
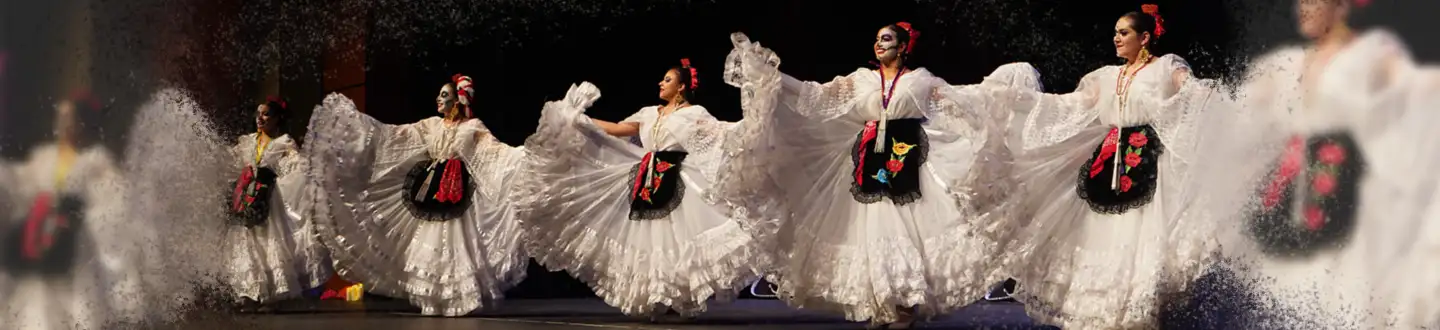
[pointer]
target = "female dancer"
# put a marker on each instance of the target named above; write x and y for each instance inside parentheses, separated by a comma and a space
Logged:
(1099, 250)
(273, 254)
(885, 173)
(70, 256)
(1330, 168)
(421, 210)
(632, 220)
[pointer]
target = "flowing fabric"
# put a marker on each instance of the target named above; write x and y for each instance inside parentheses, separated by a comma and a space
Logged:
(1085, 259)
(275, 259)
(101, 285)
(840, 248)
(445, 265)
(588, 210)
(1348, 267)
(142, 248)
(282, 256)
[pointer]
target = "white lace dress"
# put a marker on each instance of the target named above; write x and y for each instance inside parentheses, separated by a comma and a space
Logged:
(89, 277)
(1331, 184)
(417, 211)
(631, 220)
(866, 229)
(280, 256)
(1100, 246)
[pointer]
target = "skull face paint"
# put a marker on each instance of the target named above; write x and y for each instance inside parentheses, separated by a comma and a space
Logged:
(887, 45)
(446, 100)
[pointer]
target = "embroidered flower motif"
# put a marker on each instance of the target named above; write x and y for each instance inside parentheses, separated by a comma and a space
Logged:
(1131, 160)
(1125, 183)
(655, 183)
(1324, 184)
(1314, 217)
(1138, 139)
(663, 166)
(882, 176)
(1331, 154)
(645, 195)
(901, 148)
(895, 165)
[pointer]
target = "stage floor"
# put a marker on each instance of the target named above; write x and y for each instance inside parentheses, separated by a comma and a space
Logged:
(547, 314)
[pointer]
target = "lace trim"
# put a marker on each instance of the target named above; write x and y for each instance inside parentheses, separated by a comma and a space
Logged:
(656, 199)
(59, 257)
(743, 191)
(894, 172)
(429, 208)
(1287, 225)
(717, 263)
(1139, 149)
(253, 199)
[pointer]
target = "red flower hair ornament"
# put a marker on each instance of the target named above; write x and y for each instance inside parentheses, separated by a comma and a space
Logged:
(277, 100)
(914, 35)
(1154, 11)
(464, 92)
(694, 75)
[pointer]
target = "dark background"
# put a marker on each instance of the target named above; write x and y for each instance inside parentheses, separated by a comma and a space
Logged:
(523, 53)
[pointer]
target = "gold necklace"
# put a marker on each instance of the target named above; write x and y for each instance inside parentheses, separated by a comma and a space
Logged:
(1122, 83)
(660, 120)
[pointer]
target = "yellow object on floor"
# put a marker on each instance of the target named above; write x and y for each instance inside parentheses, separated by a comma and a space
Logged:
(355, 292)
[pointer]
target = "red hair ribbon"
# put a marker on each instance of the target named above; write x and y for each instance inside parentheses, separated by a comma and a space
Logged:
(694, 76)
(277, 100)
(463, 91)
(1362, 3)
(1154, 11)
(914, 35)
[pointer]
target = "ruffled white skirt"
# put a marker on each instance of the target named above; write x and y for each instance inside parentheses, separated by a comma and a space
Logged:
(1086, 270)
(281, 257)
(864, 259)
(450, 267)
(577, 213)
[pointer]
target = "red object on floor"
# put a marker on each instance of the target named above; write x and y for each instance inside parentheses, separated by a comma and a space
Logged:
(335, 288)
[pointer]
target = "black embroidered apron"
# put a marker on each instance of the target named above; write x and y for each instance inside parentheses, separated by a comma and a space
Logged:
(894, 171)
(656, 189)
(1122, 173)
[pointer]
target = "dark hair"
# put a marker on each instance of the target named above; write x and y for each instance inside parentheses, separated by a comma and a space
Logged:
(902, 37)
(683, 74)
(88, 117)
(279, 110)
(1143, 23)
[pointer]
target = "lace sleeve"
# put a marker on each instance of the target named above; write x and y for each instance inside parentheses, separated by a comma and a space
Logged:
(1056, 117)
(703, 136)
(238, 154)
(750, 63)
(1007, 93)
(816, 100)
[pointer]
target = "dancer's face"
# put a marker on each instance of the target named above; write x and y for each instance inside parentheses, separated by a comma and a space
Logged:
(1317, 17)
(887, 45)
(263, 119)
(671, 86)
(445, 100)
(1128, 42)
